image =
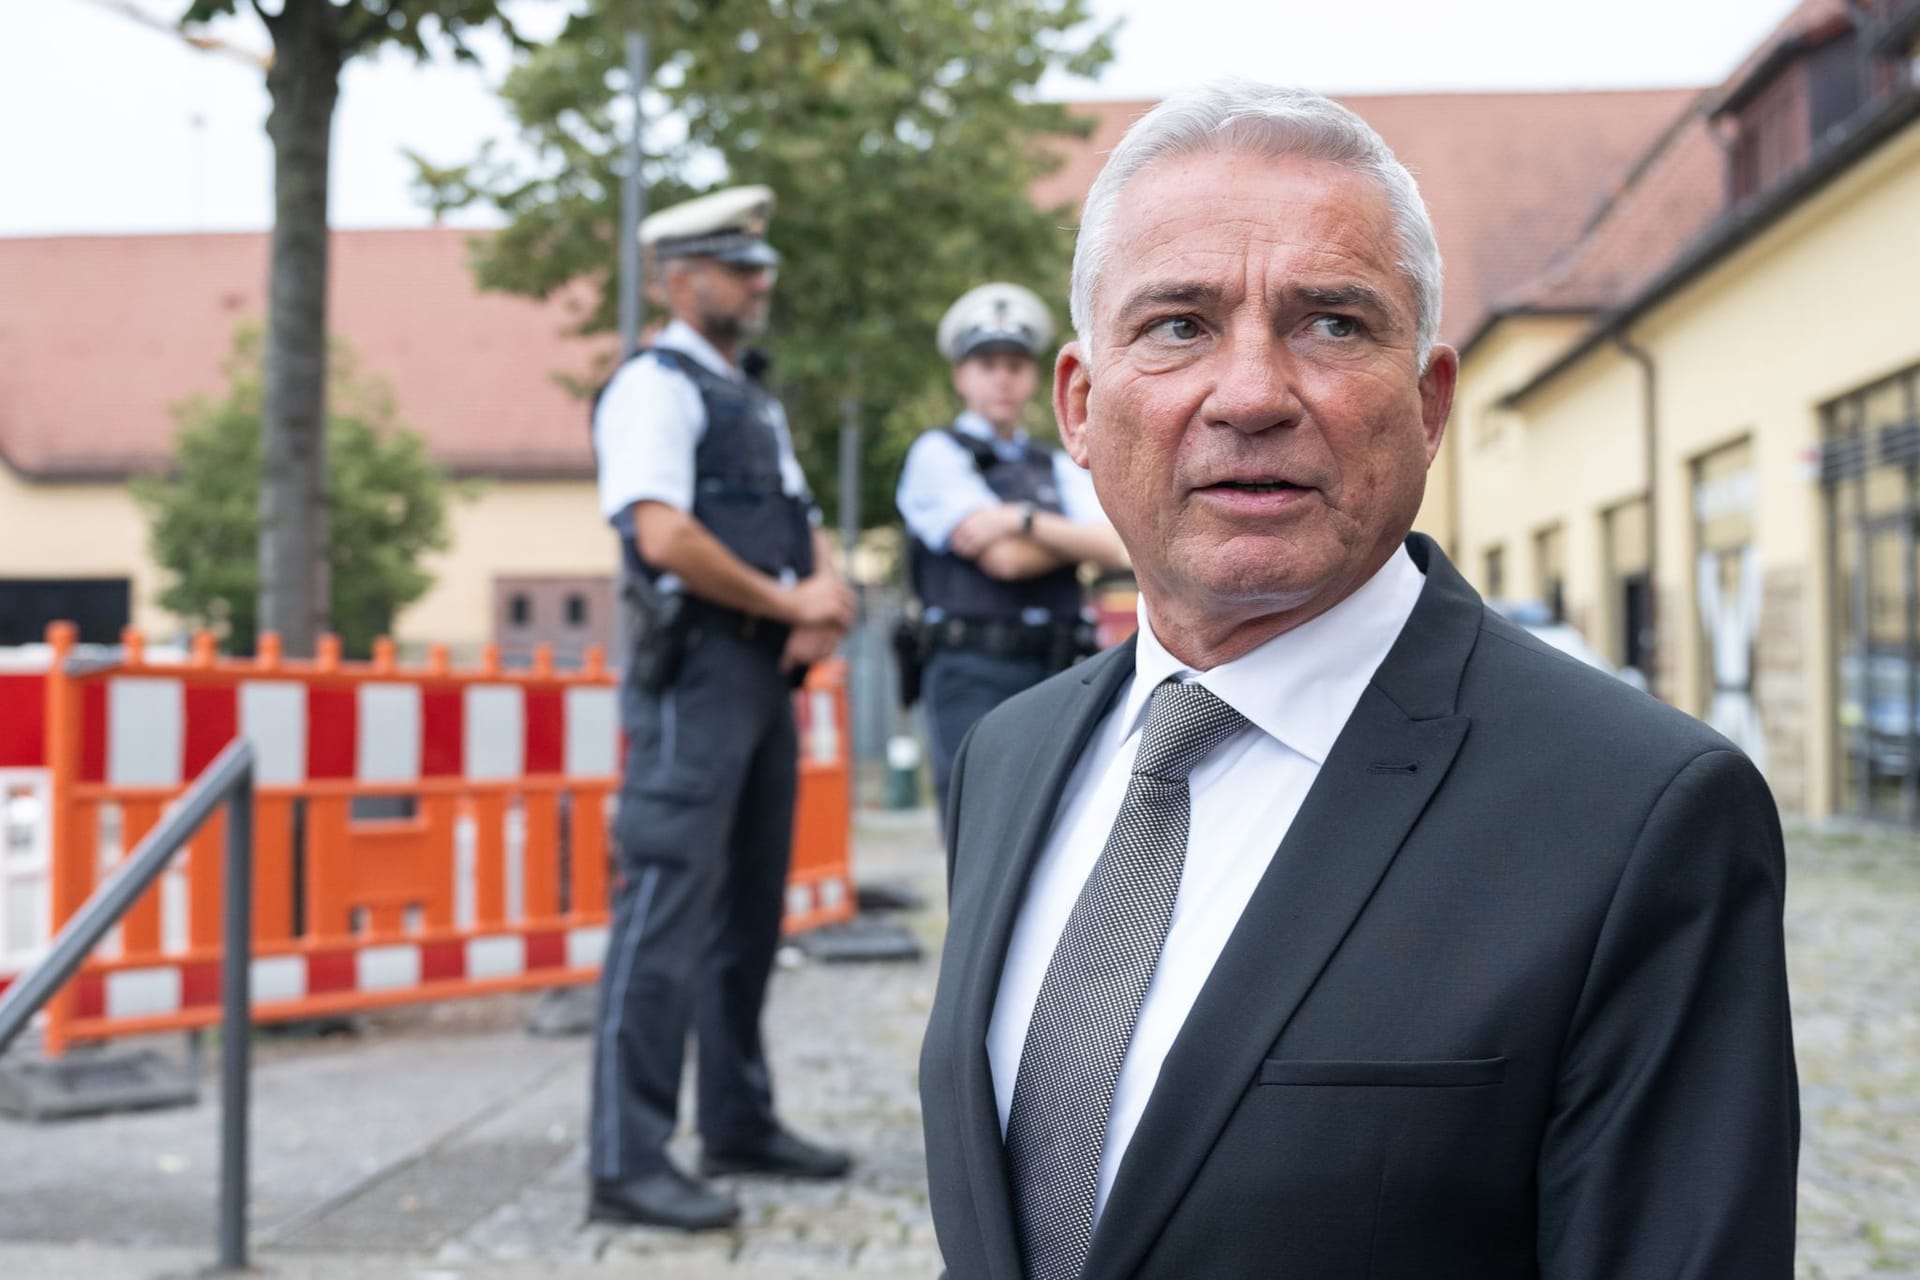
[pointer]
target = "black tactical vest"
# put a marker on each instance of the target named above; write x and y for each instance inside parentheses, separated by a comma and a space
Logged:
(956, 586)
(737, 491)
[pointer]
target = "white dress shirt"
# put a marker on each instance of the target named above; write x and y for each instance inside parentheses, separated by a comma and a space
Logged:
(1296, 692)
(651, 420)
(940, 485)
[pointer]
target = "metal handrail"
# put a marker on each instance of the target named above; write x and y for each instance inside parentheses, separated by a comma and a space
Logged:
(228, 779)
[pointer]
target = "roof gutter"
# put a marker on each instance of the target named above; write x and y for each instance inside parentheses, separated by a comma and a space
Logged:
(1734, 231)
(1498, 316)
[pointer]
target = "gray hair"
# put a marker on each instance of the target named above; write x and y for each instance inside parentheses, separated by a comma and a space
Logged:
(1242, 115)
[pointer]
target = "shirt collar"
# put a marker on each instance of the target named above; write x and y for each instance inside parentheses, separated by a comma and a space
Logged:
(1300, 686)
(970, 423)
(684, 338)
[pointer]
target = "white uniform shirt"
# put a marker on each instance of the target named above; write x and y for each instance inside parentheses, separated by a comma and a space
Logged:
(650, 421)
(940, 486)
(1297, 691)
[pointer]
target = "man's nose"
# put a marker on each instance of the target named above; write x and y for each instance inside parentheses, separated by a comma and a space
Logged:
(1253, 388)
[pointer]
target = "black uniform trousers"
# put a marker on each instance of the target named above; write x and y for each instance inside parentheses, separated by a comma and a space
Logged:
(958, 687)
(704, 834)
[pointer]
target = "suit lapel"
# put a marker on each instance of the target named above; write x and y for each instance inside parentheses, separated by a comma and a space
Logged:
(1389, 759)
(1057, 750)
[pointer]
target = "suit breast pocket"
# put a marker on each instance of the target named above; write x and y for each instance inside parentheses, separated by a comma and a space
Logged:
(1453, 1073)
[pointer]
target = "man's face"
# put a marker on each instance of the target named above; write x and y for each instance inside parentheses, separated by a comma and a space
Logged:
(724, 301)
(1252, 412)
(997, 385)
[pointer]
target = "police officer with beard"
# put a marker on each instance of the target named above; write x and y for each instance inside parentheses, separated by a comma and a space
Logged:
(998, 527)
(734, 596)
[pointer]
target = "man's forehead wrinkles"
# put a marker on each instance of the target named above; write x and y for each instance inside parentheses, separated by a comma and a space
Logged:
(1188, 233)
(1313, 251)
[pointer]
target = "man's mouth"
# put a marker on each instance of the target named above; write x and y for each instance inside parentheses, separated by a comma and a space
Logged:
(1255, 486)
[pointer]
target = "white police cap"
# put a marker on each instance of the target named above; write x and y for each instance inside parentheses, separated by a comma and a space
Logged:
(728, 225)
(995, 317)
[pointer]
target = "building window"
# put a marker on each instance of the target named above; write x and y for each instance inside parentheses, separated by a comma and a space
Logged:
(1835, 85)
(99, 607)
(1496, 562)
(1628, 633)
(1870, 471)
(567, 614)
(1550, 571)
(1727, 593)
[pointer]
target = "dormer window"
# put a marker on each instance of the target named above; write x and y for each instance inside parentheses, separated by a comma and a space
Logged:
(1771, 134)
(1790, 102)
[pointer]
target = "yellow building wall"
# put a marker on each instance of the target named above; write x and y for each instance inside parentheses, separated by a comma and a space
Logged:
(1819, 304)
(1747, 351)
(509, 528)
(1500, 501)
(1582, 451)
(80, 530)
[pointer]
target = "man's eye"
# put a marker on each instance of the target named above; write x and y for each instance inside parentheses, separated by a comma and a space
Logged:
(1337, 326)
(1178, 328)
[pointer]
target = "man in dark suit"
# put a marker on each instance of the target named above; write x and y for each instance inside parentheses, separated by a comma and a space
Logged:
(1334, 927)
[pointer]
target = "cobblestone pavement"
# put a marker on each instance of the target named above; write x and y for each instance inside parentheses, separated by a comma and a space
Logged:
(447, 1144)
(1853, 958)
(847, 1039)
(845, 1042)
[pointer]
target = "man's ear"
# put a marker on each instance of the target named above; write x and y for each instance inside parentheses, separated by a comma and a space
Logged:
(659, 291)
(1436, 395)
(1071, 387)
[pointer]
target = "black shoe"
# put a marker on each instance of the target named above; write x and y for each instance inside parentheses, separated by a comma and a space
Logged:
(665, 1199)
(783, 1155)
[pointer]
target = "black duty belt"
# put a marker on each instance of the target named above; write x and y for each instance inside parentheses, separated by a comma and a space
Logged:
(994, 636)
(749, 628)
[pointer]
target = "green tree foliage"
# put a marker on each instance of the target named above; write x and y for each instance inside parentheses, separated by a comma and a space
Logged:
(389, 505)
(312, 41)
(901, 137)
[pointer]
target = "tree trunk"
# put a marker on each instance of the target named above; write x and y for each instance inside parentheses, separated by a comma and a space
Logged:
(303, 84)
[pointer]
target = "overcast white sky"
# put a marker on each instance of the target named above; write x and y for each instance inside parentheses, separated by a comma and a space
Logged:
(112, 127)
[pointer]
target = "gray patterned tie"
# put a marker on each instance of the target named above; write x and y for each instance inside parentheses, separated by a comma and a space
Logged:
(1083, 1017)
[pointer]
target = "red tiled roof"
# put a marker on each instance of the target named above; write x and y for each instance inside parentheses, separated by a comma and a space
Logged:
(1678, 189)
(1510, 178)
(99, 335)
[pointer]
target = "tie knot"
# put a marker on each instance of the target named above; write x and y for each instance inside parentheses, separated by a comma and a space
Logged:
(1185, 722)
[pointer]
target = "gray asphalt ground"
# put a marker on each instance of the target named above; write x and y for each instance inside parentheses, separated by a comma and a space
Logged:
(445, 1143)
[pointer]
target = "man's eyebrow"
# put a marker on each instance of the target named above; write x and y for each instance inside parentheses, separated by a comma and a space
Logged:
(1153, 296)
(1357, 296)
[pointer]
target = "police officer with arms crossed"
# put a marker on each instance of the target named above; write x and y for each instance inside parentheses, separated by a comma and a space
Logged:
(998, 526)
(734, 596)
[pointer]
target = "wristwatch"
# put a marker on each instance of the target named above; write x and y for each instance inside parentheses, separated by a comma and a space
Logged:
(1026, 519)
